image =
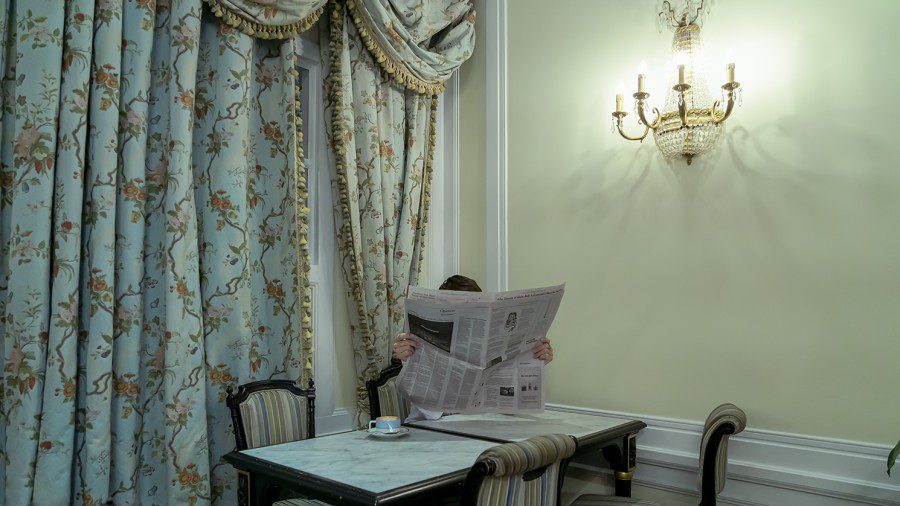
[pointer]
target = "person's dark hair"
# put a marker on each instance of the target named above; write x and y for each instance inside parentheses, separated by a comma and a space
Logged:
(461, 283)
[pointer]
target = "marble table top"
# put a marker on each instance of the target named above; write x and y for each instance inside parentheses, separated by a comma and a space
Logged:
(506, 428)
(375, 465)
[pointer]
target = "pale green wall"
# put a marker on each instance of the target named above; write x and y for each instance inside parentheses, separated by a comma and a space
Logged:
(473, 152)
(767, 274)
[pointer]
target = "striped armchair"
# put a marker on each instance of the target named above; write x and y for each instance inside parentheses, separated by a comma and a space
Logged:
(384, 397)
(526, 473)
(724, 421)
(271, 412)
(267, 413)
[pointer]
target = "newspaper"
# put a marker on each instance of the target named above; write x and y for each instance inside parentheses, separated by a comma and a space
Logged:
(475, 349)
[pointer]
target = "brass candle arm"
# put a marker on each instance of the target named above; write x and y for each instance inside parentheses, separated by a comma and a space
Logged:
(682, 103)
(719, 117)
(619, 115)
(641, 97)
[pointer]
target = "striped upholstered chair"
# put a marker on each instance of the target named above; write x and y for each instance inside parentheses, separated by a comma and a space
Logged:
(271, 412)
(724, 421)
(526, 473)
(384, 397)
(267, 413)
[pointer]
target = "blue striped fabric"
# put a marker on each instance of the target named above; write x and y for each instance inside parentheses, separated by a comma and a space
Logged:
(724, 413)
(507, 486)
(274, 416)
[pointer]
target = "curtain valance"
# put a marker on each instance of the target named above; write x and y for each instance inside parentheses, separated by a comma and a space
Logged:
(269, 19)
(418, 42)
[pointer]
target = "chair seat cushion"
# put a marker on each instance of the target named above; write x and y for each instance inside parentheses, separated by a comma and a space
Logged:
(606, 500)
(299, 502)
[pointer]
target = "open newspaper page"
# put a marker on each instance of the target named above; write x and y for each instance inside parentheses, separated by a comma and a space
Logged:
(475, 349)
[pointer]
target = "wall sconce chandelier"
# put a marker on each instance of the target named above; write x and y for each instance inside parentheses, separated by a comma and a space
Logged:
(691, 123)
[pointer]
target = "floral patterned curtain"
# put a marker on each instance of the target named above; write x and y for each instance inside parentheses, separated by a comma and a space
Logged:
(382, 134)
(148, 172)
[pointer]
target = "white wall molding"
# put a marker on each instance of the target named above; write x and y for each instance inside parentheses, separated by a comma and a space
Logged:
(451, 175)
(764, 467)
(340, 420)
(496, 242)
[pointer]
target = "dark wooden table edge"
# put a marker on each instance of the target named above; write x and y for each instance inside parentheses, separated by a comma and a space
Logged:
(336, 489)
(624, 429)
(457, 433)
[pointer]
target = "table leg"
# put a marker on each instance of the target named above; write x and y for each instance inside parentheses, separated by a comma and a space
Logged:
(622, 459)
(623, 484)
(243, 491)
(262, 492)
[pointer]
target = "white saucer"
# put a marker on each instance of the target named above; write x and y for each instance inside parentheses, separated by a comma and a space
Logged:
(383, 434)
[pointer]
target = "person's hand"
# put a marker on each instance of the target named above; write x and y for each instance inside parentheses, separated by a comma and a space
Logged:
(543, 351)
(404, 346)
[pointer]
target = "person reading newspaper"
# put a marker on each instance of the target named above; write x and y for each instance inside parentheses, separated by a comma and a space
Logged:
(406, 344)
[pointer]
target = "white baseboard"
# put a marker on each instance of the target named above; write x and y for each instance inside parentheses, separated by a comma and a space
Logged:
(342, 420)
(764, 467)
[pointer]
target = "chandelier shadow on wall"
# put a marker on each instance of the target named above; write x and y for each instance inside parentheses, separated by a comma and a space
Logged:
(691, 123)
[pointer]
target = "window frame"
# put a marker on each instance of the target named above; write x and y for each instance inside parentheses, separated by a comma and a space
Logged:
(322, 282)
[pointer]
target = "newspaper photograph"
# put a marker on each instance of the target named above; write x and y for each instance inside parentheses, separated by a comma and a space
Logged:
(475, 349)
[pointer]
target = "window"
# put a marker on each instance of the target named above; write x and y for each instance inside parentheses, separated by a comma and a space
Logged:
(329, 418)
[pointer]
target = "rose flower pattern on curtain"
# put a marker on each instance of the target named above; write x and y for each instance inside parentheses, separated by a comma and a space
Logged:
(151, 213)
(382, 107)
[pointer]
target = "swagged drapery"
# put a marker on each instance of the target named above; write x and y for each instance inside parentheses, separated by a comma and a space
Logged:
(269, 18)
(420, 43)
(388, 61)
(152, 221)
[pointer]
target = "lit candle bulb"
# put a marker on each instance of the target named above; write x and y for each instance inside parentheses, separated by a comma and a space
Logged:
(620, 98)
(680, 60)
(729, 65)
(642, 73)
